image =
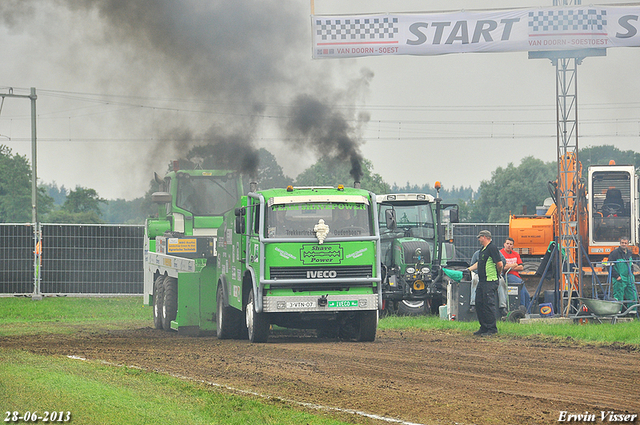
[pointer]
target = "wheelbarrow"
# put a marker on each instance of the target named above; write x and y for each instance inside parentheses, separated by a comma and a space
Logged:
(601, 309)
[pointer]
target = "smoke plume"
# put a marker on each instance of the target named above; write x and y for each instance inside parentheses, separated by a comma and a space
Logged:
(314, 124)
(240, 63)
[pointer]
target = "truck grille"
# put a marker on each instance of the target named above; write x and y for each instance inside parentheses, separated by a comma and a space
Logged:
(336, 272)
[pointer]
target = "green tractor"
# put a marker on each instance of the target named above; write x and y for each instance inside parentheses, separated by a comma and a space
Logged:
(414, 251)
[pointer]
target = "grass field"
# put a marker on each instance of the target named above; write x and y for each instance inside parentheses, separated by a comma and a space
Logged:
(103, 394)
(22, 316)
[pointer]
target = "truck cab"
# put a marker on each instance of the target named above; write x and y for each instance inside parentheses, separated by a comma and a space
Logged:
(181, 246)
(303, 257)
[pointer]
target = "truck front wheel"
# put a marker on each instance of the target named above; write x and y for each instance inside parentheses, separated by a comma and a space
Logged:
(228, 319)
(257, 323)
(158, 301)
(170, 304)
(367, 326)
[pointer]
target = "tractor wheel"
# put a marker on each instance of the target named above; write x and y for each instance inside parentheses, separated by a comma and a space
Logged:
(412, 308)
(158, 301)
(170, 304)
(257, 323)
(389, 308)
(228, 319)
(367, 326)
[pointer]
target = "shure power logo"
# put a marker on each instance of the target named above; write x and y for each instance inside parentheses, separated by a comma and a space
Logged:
(320, 274)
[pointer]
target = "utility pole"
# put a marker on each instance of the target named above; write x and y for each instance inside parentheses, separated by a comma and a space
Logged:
(34, 190)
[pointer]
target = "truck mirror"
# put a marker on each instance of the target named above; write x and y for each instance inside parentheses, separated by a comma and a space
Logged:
(390, 216)
(453, 215)
(240, 226)
(239, 211)
(157, 178)
(161, 198)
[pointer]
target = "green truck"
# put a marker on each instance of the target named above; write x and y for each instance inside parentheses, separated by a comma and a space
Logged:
(236, 265)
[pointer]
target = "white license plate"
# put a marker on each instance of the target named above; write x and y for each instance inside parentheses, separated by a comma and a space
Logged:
(301, 304)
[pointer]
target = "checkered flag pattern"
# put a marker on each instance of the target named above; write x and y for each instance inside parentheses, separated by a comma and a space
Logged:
(567, 20)
(356, 29)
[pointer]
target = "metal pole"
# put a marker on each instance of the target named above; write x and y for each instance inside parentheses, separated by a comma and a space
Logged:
(37, 245)
(37, 242)
(34, 158)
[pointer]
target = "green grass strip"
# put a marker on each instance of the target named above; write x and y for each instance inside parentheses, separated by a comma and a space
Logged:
(102, 394)
(21, 309)
(627, 333)
(20, 315)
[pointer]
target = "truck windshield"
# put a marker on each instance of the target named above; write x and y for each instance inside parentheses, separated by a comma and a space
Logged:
(299, 220)
(414, 219)
(210, 195)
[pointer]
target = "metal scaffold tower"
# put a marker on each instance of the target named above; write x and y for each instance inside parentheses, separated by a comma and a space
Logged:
(568, 211)
(569, 190)
(568, 200)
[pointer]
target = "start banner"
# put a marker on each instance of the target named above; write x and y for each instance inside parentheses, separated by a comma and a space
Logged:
(556, 28)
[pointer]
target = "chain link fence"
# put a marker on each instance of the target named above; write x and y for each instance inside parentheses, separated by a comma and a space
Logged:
(75, 259)
(108, 259)
(16, 258)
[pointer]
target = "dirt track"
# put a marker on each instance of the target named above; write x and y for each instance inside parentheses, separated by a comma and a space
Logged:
(418, 376)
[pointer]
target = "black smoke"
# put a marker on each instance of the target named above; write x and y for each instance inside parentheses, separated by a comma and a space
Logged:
(238, 62)
(217, 150)
(315, 124)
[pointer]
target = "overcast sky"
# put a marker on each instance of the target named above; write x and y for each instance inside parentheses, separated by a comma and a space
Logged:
(125, 87)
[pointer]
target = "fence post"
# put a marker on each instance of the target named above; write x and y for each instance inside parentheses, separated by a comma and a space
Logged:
(37, 261)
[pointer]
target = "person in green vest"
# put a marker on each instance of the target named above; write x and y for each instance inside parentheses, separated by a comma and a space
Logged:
(489, 267)
(622, 279)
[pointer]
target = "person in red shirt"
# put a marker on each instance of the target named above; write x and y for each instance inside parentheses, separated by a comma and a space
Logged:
(512, 267)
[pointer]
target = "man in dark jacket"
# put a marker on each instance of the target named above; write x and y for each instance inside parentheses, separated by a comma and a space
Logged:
(622, 279)
(489, 268)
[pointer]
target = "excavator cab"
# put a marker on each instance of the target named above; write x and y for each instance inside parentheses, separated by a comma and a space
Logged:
(613, 206)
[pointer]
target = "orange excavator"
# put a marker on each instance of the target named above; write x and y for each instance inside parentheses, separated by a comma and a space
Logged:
(609, 209)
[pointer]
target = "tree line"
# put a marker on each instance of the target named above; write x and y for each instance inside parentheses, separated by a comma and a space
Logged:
(511, 189)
